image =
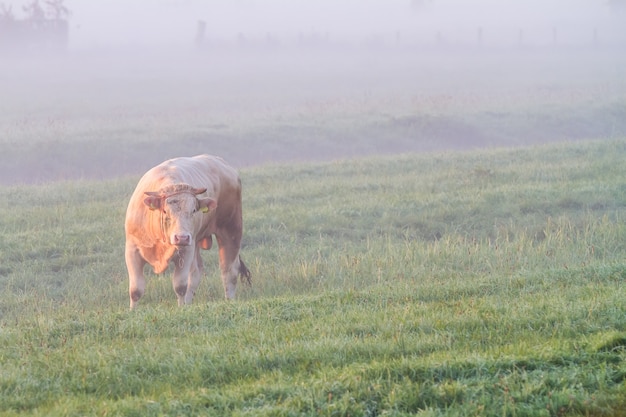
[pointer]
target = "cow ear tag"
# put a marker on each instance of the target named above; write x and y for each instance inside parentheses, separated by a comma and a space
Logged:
(204, 209)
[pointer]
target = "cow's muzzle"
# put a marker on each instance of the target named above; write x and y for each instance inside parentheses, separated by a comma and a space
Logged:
(181, 239)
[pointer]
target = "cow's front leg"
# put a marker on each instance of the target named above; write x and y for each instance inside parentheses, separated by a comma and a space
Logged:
(195, 275)
(183, 260)
(136, 280)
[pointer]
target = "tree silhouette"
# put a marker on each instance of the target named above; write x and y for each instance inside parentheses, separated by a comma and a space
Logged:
(6, 13)
(34, 11)
(43, 27)
(57, 10)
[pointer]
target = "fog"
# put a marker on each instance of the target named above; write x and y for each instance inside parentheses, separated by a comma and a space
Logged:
(133, 82)
(100, 23)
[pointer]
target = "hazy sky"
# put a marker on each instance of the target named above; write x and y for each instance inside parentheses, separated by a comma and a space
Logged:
(104, 23)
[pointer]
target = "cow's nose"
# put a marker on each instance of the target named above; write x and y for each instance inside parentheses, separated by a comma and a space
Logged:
(181, 240)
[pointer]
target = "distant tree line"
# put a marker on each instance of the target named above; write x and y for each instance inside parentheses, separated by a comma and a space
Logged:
(38, 26)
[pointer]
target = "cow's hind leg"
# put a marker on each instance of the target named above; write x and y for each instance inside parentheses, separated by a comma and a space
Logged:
(229, 263)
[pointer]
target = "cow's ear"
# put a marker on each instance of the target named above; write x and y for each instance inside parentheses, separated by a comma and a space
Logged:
(153, 202)
(206, 204)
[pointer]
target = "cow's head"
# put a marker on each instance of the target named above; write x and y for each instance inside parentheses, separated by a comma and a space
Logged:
(179, 207)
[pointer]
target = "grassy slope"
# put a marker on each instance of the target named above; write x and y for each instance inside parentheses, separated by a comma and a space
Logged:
(484, 283)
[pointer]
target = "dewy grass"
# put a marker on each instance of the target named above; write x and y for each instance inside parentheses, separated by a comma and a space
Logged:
(481, 283)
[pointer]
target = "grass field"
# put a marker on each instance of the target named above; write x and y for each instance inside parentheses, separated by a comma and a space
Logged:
(434, 234)
(481, 283)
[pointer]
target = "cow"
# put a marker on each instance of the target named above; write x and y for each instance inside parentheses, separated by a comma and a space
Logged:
(174, 211)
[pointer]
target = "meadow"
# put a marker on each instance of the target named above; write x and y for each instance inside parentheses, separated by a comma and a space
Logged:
(482, 283)
(409, 275)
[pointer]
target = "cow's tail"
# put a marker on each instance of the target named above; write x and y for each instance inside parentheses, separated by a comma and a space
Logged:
(244, 273)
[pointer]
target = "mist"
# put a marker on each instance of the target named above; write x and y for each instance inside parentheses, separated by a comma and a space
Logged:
(170, 22)
(131, 83)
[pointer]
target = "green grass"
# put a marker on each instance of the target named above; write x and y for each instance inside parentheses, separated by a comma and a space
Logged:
(457, 284)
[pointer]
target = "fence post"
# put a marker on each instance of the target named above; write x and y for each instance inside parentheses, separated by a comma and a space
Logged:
(200, 32)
